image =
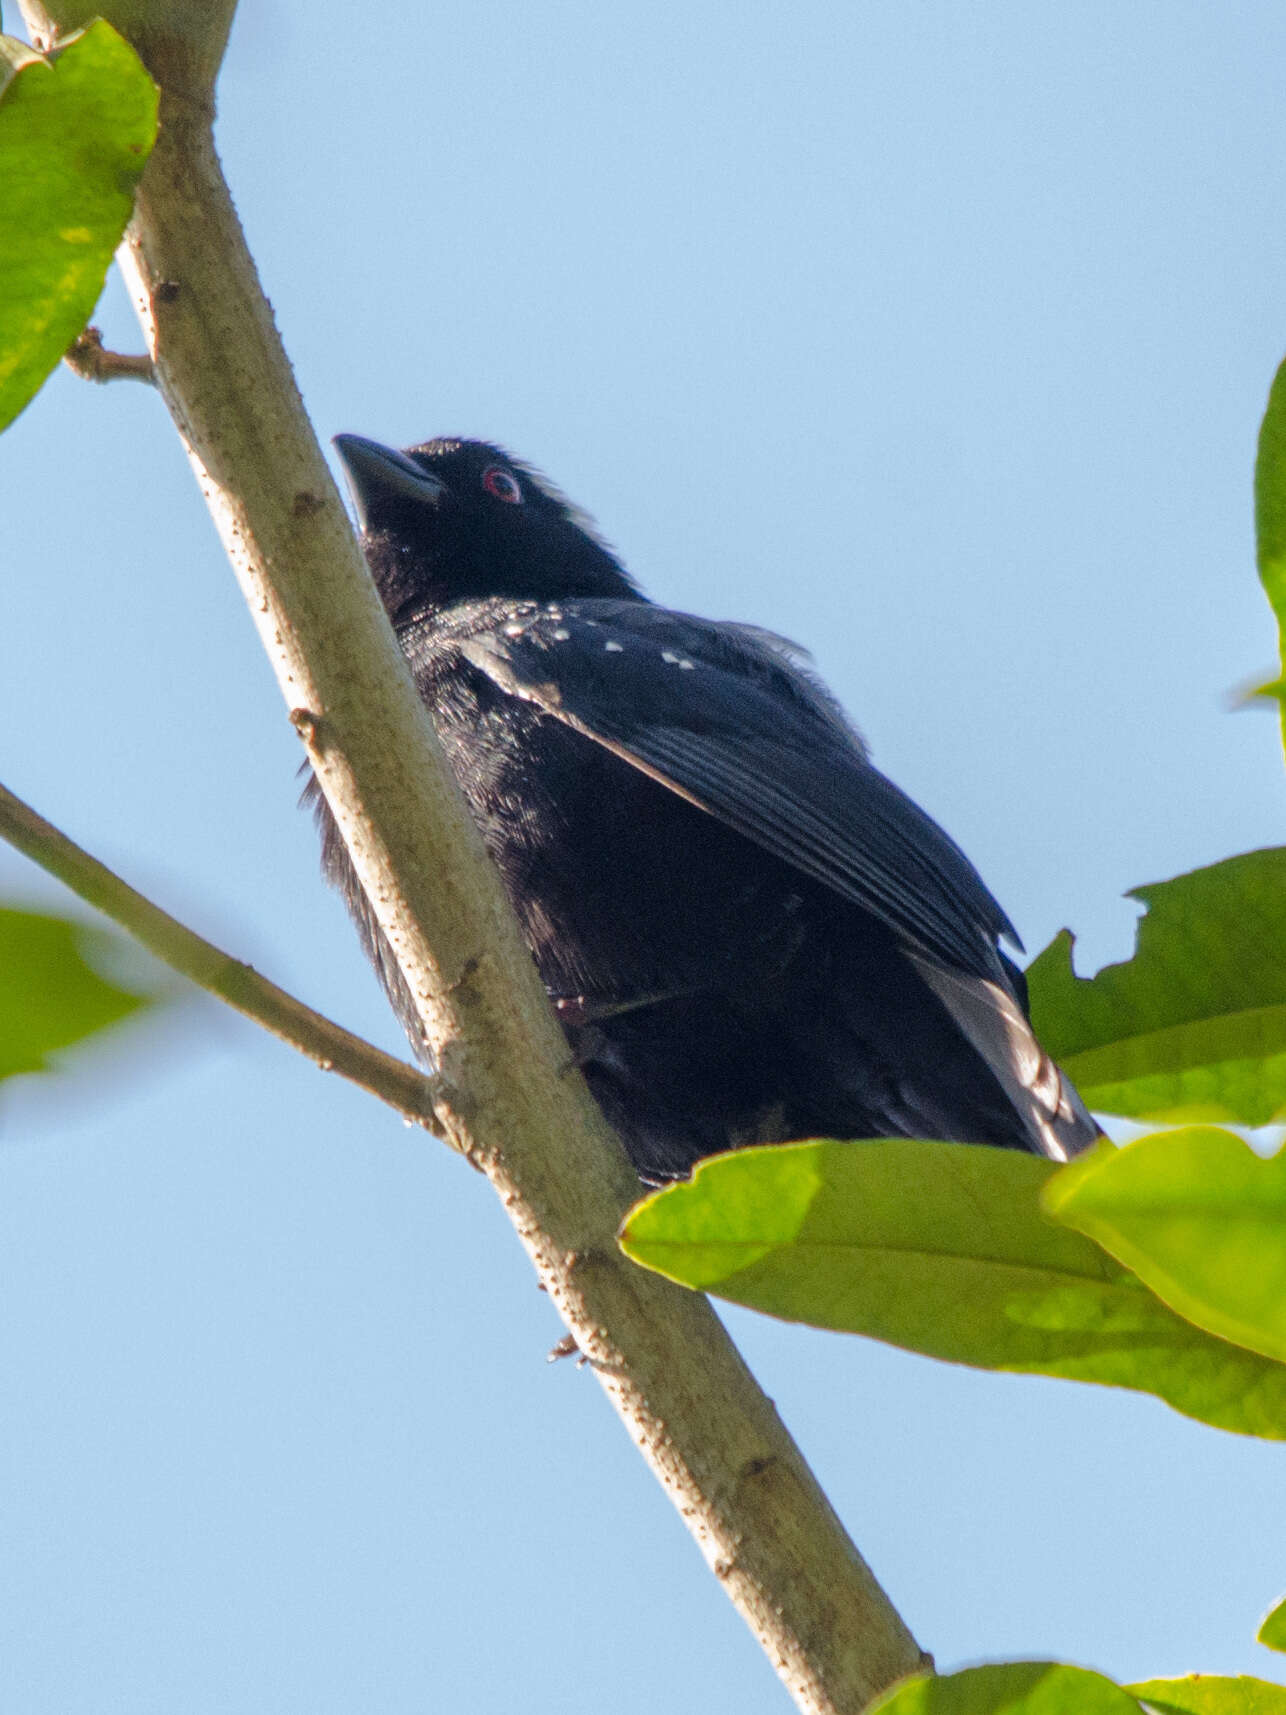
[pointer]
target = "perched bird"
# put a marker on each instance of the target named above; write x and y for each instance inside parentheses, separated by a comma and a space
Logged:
(748, 932)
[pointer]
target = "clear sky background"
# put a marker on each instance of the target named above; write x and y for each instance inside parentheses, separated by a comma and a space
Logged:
(933, 336)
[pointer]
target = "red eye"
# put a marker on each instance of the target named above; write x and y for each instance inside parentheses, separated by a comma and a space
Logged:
(503, 484)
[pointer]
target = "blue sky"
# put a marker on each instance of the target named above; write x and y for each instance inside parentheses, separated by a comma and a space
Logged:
(934, 337)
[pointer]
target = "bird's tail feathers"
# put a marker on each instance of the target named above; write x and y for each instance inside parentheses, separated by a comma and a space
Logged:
(1046, 1100)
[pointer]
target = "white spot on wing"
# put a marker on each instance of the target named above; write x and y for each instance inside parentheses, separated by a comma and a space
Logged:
(614, 648)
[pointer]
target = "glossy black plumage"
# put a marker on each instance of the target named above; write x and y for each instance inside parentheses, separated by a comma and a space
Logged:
(749, 933)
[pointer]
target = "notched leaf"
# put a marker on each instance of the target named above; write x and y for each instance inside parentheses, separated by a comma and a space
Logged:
(1193, 1027)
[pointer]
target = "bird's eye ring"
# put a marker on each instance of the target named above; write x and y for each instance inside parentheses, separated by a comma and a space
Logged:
(503, 484)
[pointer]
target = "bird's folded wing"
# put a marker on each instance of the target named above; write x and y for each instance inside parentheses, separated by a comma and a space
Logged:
(724, 718)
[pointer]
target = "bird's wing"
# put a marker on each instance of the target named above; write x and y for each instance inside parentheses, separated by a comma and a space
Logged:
(727, 719)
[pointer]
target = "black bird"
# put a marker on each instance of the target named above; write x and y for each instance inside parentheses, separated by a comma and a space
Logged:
(748, 932)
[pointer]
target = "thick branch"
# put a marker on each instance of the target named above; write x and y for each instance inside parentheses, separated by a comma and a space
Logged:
(509, 1098)
(332, 1048)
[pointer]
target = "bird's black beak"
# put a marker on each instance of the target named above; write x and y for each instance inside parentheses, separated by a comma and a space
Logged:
(376, 473)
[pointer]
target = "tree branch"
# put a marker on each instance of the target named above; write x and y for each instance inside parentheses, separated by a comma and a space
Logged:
(89, 358)
(183, 950)
(508, 1097)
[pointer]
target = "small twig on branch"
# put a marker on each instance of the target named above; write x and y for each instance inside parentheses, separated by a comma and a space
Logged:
(89, 358)
(182, 949)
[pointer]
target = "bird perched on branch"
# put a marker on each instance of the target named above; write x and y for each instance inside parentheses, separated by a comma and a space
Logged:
(749, 934)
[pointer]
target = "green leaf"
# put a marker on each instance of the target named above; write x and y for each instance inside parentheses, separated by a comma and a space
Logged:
(1008, 1688)
(943, 1249)
(1050, 1688)
(1272, 1629)
(1207, 1694)
(75, 134)
(50, 997)
(1193, 1027)
(1199, 1217)
(1270, 510)
(14, 56)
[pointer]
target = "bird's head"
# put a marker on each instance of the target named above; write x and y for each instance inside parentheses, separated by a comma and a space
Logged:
(451, 521)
